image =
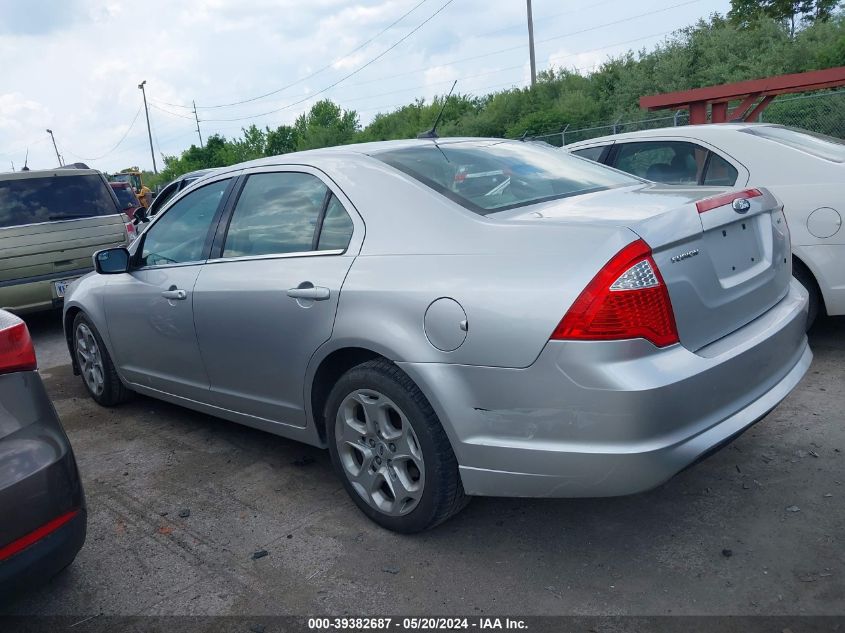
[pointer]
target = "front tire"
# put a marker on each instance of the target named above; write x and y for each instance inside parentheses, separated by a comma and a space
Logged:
(98, 372)
(390, 450)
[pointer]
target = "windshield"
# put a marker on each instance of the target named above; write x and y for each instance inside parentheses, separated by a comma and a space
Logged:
(819, 145)
(53, 198)
(499, 175)
(126, 198)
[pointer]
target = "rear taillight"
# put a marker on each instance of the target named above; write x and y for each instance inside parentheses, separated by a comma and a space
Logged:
(15, 547)
(131, 232)
(16, 350)
(626, 299)
(725, 198)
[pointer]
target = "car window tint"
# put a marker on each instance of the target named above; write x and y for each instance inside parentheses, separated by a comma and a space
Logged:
(670, 162)
(179, 236)
(54, 198)
(592, 153)
(337, 227)
(720, 172)
(276, 213)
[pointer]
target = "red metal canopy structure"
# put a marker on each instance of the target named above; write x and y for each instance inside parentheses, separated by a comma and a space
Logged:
(755, 94)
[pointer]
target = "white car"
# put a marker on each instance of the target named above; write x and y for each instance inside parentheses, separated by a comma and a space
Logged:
(806, 171)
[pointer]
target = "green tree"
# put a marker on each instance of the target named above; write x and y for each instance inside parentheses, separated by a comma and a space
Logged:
(325, 124)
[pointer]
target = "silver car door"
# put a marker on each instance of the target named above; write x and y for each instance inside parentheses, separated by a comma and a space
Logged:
(269, 301)
(150, 309)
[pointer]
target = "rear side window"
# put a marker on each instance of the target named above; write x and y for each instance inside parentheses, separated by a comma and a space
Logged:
(54, 198)
(276, 213)
(336, 230)
(499, 175)
(590, 153)
(720, 172)
(669, 162)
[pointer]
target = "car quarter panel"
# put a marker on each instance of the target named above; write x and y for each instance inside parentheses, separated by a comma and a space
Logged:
(609, 418)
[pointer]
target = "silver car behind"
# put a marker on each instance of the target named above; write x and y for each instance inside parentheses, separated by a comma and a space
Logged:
(452, 318)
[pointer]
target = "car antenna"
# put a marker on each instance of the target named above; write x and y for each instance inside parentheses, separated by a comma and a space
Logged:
(432, 133)
(25, 161)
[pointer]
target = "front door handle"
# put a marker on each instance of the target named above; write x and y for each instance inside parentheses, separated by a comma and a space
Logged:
(312, 293)
(175, 294)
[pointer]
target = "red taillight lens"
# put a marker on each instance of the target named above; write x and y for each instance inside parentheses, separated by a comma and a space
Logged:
(16, 350)
(131, 231)
(7, 551)
(726, 198)
(626, 299)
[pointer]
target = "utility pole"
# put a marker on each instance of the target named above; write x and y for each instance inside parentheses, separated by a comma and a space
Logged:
(531, 45)
(58, 158)
(198, 123)
(149, 130)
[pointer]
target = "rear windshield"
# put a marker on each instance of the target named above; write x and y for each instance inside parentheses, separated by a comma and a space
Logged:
(819, 145)
(500, 175)
(54, 198)
(126, 197)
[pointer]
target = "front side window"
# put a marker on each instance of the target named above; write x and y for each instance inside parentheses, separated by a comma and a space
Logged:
(53, 199)
(164, 195)
(179, 236)
(486, 177)
(669, 162)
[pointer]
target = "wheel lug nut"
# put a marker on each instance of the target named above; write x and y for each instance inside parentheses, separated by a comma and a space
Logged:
(392, 447)
(372, 442)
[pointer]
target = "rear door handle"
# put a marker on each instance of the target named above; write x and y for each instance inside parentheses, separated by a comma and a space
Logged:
(314, 293)
(175, 294)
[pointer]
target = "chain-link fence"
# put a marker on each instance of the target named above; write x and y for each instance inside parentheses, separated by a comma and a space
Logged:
(822, 112)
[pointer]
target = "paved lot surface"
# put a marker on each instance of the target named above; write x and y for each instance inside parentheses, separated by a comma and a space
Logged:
(660, 552)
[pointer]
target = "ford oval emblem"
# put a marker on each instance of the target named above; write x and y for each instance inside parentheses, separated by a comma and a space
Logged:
(741, 205)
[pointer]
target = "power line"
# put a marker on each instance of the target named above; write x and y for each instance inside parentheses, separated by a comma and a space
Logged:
(348, 75)
(309, 76)
(116, 145)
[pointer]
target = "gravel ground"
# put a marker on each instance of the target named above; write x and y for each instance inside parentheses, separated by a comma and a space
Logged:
(180, 504)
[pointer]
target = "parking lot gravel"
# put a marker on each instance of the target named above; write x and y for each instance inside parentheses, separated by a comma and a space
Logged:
(192, 515)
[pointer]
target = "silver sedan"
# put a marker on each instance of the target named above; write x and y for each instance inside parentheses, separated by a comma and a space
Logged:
(454, 317)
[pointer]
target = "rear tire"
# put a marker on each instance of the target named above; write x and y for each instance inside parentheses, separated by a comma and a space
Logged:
(390, 450)
(98, 372)
(802, 274)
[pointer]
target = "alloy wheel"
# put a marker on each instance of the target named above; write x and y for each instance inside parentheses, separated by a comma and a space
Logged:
(90, 360)
(379, 451)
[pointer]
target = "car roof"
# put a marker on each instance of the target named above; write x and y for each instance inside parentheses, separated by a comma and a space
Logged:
(119, 184)
(47, 173)
(358, 151)
(690, 131)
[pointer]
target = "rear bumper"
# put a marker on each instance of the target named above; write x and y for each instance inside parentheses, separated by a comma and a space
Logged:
(592, 419)
(39, 481)
(23, 296)
(42, 560)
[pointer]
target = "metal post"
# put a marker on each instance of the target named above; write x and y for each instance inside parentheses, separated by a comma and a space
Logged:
(675, 118)
(198, 122)
(563, 135)
(58, 158)
(149, 130)
(531, 44)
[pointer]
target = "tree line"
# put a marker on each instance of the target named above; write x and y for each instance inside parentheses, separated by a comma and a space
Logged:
(756, 39)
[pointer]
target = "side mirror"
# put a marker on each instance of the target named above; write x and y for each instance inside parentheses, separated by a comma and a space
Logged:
(112, 261)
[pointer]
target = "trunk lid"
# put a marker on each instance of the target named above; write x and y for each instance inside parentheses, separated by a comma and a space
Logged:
(722, 268)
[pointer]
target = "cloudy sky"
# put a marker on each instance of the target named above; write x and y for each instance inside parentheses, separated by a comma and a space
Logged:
(74, 65)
